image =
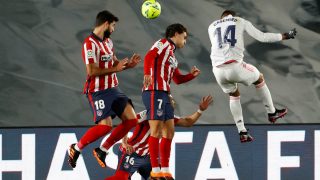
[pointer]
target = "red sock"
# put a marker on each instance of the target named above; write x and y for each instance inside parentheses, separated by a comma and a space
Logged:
(93, 134)
(154, 151)
(119, 175)
(120, 131)
(165, 149)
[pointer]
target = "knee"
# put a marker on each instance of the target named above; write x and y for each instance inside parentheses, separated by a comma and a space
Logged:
(260, 80)
(235, 94)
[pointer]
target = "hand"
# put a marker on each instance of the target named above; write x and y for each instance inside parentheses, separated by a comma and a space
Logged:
(120, 65)
(172, 101)
(134, 60)
(205, 102)
(147, 79)
(289, 35)
(195, 71)
(129, 148)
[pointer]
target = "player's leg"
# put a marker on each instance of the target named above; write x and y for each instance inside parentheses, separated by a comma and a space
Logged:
(236, 111)
(265, 95)
(145, 169)
(165, 147)
(101, 112)
(153, 142)
(123, 108)
(126, 166)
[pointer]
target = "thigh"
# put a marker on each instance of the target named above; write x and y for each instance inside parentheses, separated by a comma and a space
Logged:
(145, 169)
(130, 163)
(158, 105)
(100, 103)
(221, 74)
(247, 73)
(120, 102)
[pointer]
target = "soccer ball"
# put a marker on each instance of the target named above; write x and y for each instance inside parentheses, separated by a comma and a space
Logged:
(151, 9)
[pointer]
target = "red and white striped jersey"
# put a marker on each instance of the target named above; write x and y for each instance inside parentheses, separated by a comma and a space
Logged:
(141, 134)
(160, 63)
(96, 50)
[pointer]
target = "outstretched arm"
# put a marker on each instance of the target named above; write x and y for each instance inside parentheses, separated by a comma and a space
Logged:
(179, 78)
(193, 118)
(259, 35)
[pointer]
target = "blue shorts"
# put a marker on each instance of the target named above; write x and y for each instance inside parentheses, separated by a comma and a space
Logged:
(158, 105)
(108, 102)
(134, 162)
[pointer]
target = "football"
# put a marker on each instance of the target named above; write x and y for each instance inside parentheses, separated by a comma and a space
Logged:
(151, 9)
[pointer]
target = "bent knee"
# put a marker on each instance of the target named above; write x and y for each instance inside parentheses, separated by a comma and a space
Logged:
(260, 80)
(235, 93)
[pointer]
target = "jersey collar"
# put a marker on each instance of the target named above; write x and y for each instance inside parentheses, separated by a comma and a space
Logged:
(96, 37)
(172, 43)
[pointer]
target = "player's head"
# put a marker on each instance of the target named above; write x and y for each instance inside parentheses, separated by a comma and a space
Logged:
(178, 34)
(281, 58)
(227, 12)
(107, 20)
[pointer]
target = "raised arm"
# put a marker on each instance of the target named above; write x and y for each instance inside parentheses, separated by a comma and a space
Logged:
(188, 121)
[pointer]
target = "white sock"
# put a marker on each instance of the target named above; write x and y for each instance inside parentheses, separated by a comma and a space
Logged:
(104, 149)
(77, 148)
(265, 95)
(165, 169)
(156, 169)
(236, 111)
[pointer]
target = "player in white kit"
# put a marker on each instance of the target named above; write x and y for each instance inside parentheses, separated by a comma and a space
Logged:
(226, 36)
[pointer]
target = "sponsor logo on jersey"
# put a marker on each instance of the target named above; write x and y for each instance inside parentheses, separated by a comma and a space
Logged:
(106, 57)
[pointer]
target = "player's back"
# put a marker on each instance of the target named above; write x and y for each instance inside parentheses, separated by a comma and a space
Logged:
(226, 36)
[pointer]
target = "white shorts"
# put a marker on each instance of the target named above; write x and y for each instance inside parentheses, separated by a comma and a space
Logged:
(229, 75)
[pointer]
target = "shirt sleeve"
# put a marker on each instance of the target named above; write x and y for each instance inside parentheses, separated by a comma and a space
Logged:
(259, 35)
(149, 61)
(179, 78)
(89, 52)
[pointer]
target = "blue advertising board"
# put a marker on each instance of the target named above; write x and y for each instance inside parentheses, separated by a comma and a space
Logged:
(201, 152)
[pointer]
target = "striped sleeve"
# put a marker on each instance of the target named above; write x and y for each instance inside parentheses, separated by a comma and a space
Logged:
(89, 49)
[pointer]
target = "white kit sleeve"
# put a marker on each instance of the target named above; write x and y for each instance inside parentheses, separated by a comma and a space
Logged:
(259, 35)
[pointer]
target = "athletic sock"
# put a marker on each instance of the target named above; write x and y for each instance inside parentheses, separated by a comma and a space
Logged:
(236, 111)
(92, 135)
(154, 153)
(265, 95)
(119, 132)
(165, 149)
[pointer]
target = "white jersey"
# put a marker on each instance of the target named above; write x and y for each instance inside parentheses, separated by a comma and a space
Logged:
(226, 36)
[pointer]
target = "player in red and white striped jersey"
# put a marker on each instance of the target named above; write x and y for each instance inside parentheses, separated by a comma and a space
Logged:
(160, 67)
(134, 152)
(105, 97)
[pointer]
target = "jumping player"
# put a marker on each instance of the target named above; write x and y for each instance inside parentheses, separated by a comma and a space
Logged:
(133, 154)
(160, 67)
(226, 36)
(105, 97)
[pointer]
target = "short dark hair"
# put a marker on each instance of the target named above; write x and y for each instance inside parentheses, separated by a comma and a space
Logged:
(104, 16)
(173, 28)
(227, 12)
